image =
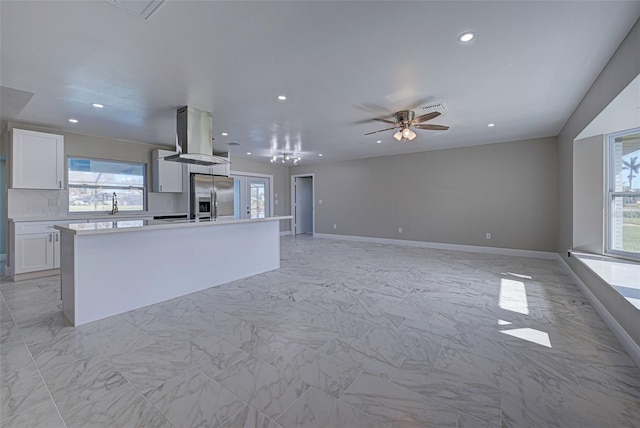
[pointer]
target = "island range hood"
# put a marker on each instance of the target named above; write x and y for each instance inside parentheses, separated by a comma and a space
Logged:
(194, 138)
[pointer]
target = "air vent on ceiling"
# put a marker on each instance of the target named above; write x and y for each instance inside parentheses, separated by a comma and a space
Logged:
(140, 8)
(233, 143)
(440, 108)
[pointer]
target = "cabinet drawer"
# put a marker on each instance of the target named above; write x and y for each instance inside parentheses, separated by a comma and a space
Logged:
(34, 227)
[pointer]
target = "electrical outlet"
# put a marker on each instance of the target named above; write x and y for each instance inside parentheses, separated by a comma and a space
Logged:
(335, 226)
(54, 202)
(488, 235)
(399, 230)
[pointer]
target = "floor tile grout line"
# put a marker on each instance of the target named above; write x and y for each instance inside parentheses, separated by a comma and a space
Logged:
(145, 398)
(436, 360)
(46, 386)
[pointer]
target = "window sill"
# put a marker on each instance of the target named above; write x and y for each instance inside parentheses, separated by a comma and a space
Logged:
(622, 275)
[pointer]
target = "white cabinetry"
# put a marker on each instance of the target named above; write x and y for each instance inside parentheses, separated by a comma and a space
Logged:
(37, 160)
(167, 175)
(218, 169)
(36, 247)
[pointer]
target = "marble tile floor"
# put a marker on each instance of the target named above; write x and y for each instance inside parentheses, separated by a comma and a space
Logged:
(344, 334)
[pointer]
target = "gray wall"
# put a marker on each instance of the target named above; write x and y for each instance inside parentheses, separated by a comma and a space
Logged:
(281, 184)
(622, 68)
(447, 196)
(588, 194)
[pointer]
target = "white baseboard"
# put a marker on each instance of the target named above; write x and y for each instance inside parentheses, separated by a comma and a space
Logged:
(627, 341)
(285, 232)
(441, 246)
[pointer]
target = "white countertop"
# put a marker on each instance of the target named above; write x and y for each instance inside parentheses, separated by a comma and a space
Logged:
(120, 226)
(84, 216)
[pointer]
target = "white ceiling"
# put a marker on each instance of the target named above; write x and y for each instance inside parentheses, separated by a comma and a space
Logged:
(338, 63)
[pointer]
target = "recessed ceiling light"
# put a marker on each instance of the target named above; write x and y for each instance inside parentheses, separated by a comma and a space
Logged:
(224, 134)
(379, 142)
(491, 125)
(96, 105)
(248, 153)
(73, 120)
(282, 97)
(466, 37)
(320, 154)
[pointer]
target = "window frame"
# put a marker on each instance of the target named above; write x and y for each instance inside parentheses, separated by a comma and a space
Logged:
(612, 194)
(143, 187)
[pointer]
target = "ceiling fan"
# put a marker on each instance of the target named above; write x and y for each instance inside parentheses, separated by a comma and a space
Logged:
(405, 121)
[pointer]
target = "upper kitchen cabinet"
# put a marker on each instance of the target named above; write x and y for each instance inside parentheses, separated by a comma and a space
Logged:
(221, 169)
(167, 175)
(217, 169)
(37, 160)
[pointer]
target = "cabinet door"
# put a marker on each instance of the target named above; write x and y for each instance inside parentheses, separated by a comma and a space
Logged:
(221, 169)
(199, 169)
(37, 160)
(56, 250)
(34, 252)
(167, 176)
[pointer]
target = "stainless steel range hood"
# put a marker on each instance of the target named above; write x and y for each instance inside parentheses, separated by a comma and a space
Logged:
(194, 141)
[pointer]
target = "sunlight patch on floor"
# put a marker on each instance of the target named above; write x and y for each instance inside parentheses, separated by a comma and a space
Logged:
(513, 296)
(518, 275)
(530, 335)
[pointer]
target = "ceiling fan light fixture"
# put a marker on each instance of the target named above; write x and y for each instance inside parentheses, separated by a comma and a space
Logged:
(406, 133)
(411, 136)
(398, 135)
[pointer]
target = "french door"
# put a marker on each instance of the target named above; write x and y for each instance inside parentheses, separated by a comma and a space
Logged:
(252, 196)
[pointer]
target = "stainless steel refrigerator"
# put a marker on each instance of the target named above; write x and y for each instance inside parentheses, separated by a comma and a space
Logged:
(211, 197)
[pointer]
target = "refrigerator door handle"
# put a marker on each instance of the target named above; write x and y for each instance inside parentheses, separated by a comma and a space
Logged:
(214, 205)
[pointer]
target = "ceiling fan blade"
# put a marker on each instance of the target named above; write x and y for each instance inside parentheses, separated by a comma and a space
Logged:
(382, 130)
(432, 127)
(385, 121)
(425, 117)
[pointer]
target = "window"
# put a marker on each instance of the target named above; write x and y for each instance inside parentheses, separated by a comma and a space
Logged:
(92, 183)
(623, 197)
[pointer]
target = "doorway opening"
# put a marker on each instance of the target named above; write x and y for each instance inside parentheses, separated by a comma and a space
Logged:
(302, 204)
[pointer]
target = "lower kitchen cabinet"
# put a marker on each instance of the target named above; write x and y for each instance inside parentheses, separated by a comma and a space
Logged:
(35, 246)
(37, 252)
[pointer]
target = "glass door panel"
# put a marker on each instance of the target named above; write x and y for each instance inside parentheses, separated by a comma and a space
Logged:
(252, 198)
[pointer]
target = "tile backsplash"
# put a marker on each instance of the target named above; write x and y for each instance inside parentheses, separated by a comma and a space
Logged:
(29, 202)
(44, 203)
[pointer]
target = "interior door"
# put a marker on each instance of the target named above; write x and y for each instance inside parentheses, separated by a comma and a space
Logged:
(303, 205)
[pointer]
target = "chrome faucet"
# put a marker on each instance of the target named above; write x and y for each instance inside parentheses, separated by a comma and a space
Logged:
(114, 204)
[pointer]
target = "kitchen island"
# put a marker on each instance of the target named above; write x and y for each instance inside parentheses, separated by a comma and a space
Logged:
(111, 267)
